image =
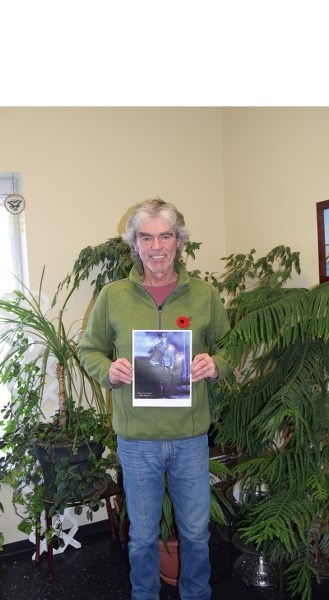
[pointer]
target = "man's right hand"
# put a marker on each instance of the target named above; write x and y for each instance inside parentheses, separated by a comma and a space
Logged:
(120, 371)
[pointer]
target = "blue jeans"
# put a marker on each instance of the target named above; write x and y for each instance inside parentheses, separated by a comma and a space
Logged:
(187, 464)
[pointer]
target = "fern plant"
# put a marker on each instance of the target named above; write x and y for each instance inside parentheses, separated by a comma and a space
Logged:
(276, 412)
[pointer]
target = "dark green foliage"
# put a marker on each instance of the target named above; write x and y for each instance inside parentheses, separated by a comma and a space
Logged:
(242, 271)
(275, 411)
(108, 261)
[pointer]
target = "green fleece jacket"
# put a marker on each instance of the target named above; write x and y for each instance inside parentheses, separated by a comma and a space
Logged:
(125, 305)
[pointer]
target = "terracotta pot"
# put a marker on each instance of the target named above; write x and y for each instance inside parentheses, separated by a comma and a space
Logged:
(170, 562)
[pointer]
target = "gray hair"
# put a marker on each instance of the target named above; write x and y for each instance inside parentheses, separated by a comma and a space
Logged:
(151, 209)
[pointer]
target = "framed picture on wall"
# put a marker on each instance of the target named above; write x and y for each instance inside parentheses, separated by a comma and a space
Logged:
(322, 212)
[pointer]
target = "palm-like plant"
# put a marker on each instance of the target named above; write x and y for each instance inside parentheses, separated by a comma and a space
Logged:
(26, 328)
(220, 507)
(276, 412)
(32, 346)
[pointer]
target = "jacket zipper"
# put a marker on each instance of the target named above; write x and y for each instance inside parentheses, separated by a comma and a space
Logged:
(159, 308)
(160, 315)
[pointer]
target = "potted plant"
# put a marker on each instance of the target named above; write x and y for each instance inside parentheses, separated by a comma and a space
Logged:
(33, 345)
(220, 508)
(276, 412)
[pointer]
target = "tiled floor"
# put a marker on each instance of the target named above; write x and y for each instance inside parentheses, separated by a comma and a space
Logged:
(99, 570)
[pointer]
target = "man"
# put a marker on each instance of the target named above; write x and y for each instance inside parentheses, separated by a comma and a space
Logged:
(159, 294)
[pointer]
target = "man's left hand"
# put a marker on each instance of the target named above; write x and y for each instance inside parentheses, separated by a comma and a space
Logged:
(203, 367)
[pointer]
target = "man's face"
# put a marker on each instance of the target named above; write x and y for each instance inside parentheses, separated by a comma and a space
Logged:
(156, 244)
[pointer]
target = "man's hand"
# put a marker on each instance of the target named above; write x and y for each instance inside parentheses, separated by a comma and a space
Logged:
(120, 371)
(203, 366)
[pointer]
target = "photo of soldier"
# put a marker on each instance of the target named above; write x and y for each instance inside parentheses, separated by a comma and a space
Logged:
(162, 359)
(162, 366)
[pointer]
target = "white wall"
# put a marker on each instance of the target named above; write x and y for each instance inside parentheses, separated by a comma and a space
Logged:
(276, 168)
(83, 168)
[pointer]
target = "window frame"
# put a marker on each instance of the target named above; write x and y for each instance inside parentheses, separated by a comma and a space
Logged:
(322, 211)
(11, 183)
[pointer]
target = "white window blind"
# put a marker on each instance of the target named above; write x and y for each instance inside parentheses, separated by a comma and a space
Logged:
(13, 253)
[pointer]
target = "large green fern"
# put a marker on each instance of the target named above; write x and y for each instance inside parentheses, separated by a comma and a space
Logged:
(276, 413)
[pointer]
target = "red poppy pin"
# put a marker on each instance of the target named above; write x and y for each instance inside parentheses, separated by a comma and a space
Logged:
(183, 322)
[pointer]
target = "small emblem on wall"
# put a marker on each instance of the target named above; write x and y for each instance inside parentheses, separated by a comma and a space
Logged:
(14, 203)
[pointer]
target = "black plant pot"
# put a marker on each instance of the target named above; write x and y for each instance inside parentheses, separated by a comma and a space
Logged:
(77, 463)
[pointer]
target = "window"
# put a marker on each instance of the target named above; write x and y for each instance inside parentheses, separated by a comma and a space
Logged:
(13, 263)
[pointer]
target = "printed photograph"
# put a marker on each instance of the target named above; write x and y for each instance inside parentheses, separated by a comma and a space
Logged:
(162, 360)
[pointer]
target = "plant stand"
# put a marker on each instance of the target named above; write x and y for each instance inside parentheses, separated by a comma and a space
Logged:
(67, 537)
(113, 490)
(252, 567)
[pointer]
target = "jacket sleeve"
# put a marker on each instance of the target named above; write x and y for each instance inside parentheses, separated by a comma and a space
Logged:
(96, 347)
